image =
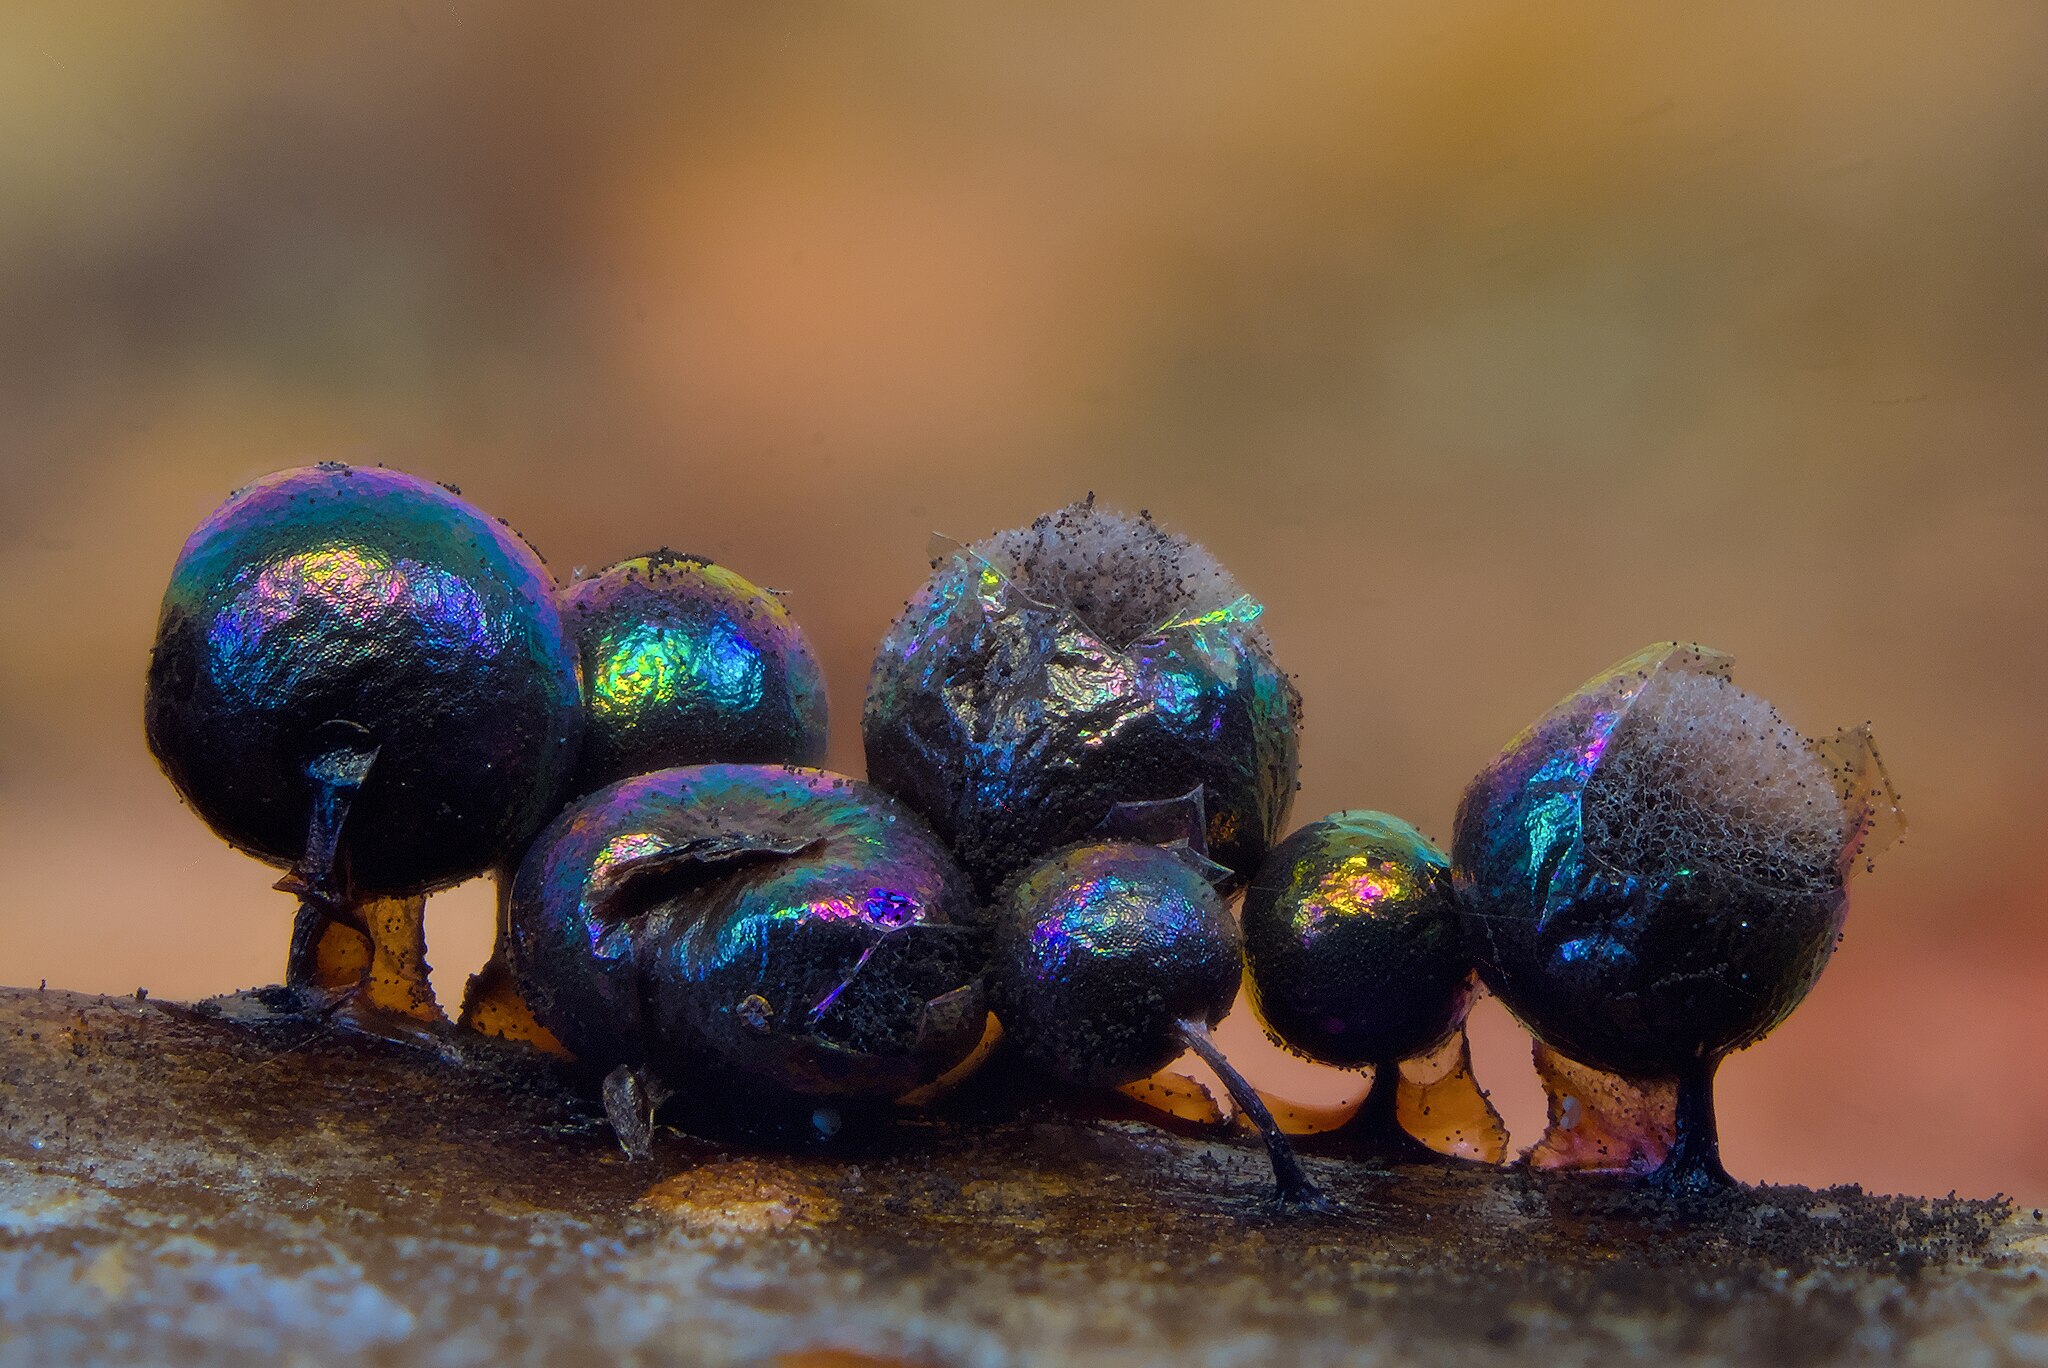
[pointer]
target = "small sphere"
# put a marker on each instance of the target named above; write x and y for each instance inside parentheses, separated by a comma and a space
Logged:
(1099, 953)
(1653, 874)
(384, 604)
(790, 931)
(1352, 938)
(685, 663)
(1048, 676)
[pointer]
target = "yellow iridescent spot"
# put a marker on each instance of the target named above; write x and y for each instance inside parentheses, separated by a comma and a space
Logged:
(623, 849)
(988, 587)
(658, 664)
(1361, 886)
(1242, 609)
(361, 587)
(340, 568)
(357, 582)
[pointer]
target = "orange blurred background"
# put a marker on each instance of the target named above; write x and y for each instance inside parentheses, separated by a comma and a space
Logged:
(1485, 342)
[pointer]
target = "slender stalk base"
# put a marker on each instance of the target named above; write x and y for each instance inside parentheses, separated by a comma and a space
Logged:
(319, 876)
(359, 960)
(1295, 1189)
(1693, 1168)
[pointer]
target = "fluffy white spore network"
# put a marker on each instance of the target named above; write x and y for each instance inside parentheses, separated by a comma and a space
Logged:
(1124, 577)
(1700, 775)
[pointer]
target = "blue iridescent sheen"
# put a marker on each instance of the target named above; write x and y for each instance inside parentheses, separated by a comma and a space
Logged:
(783, 930)
(333, 599)
(1353, 942)
(1100, 952)
(1017, 727)
(684, 663)
(1646, 971)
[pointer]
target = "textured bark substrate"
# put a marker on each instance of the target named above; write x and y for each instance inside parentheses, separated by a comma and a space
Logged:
(178, 1187)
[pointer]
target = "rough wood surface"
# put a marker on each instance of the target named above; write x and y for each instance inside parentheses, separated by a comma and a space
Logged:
(178, 1188)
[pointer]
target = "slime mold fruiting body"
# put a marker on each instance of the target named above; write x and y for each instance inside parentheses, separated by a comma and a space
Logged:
(1654, 875)
(1356, 957)
(360, 677)
(684, 663)
(1051, 683)
(1107, 961)
(751, 934)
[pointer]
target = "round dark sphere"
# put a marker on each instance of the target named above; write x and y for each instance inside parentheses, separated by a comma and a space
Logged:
(1099, 953)
(1353, 942)
(1652, 873)
(684, 663)
(363, 596)
(755, 927)
(1047, 676)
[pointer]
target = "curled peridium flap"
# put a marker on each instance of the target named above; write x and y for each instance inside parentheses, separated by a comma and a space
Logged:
(1600, 1122)
(1179, 821)
(641, 871)
(993, 584)
(1612, 692)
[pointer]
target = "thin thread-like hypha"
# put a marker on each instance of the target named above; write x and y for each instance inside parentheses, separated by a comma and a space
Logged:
(1702, 777)
(1124, 577)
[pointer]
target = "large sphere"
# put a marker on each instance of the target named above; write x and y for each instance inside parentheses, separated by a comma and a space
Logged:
(1047, 675)
(685, 662)
(1099, 953)
(1352, 938)
(1652, 873)
(365, 596)
(765, 927)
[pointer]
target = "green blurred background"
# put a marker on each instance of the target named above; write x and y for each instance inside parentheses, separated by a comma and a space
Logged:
(1486, 343)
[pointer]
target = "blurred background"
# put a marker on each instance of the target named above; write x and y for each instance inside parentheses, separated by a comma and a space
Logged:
(1485, 342)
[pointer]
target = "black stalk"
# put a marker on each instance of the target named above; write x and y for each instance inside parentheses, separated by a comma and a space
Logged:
(336, 773)
(1296, 1190)
(1693, 1167)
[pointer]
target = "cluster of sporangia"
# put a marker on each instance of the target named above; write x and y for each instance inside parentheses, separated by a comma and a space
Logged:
(1079, 750)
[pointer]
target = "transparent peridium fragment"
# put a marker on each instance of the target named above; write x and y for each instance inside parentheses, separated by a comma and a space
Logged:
(1872, 819)
(1441, 1104)
(1600, 1122)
